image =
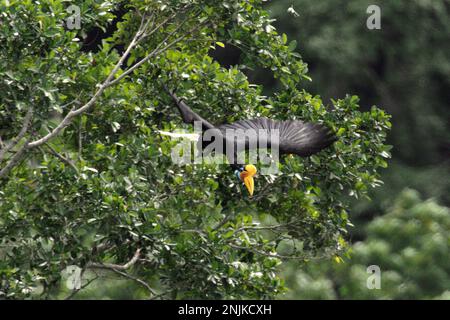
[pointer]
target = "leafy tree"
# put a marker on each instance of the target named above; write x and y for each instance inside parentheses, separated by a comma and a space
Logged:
(86, 180)
(410, 244)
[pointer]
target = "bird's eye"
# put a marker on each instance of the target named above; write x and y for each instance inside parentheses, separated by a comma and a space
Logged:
(241, 169)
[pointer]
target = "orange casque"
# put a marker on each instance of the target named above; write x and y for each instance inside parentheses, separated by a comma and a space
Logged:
(247, 177)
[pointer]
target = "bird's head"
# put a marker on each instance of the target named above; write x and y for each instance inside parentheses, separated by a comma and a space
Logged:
(245, 174)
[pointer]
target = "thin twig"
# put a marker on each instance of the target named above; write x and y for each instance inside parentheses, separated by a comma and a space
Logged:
(272, 227)
(80, 139)
(117, 266)
(160, 25)
(61, 157)
(280, 256)
(262, 193)
(75, 291)
(223, 222)
(159, 295)
(157, 51)
(136, 279)
(269, 254)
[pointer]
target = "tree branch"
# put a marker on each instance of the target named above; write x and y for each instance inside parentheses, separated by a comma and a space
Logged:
(155, 52)
(25, 125)
(75, 291)
(61, 157)
(14, 160)
(119, 269)
(268, 254)
(67, 120)
(280, 256)
(139, 281)
(80, 139)
(73, 113)
(117, 266)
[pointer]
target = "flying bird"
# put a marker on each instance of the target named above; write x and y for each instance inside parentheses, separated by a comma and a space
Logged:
(292, 137)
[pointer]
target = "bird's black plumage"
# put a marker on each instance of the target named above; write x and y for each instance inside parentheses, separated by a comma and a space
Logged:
(294, 136)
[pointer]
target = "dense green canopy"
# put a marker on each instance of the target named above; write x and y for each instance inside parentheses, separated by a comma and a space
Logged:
(87, 181)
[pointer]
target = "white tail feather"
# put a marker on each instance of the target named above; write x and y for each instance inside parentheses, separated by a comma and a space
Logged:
(180, 135)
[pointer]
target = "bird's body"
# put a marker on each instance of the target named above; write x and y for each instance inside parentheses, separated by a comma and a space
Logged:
(287, 136)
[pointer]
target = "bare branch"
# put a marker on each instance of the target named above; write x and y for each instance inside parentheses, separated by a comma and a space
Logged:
(119, 269)
(80, 139)
(263, 193)
(117, 266)
(61, 157)
(200, 232)
(256, 228)
(160, 295)
(140, 281)
(25, 125)
(14, 160)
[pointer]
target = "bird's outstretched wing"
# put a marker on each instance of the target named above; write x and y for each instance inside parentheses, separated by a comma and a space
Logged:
(295, 136)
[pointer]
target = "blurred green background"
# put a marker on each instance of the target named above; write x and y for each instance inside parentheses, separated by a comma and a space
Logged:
(404, 68)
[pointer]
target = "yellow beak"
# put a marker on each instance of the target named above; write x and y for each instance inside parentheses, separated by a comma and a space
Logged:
(250, 184)
(247, 176)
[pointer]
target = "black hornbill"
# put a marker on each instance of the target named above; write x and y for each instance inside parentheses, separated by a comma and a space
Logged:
(293, 137)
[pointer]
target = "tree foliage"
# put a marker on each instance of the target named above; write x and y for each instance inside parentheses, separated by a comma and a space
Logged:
(410, 244)
(86, 179)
